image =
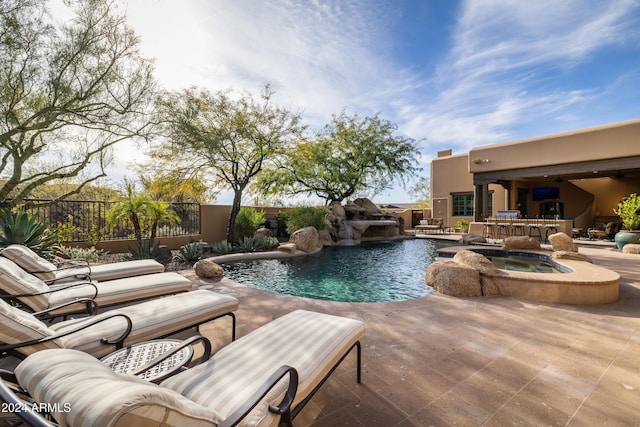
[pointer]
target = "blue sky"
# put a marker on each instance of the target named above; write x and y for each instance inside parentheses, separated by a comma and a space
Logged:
(452, 74)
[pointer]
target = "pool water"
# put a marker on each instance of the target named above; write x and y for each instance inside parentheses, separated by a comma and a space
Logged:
(369, 272)
(525, 264)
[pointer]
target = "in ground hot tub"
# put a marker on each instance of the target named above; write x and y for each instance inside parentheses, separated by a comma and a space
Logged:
(546, 279)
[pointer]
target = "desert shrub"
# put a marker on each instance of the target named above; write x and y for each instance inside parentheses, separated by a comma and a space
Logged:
(145, 250)
(307, 216)
(246, 244)
(222, 247)
(191, 252)
(248, 221)
(87, 254)
(267, 242)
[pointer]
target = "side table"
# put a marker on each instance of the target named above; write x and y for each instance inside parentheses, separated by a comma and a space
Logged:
(131, 358)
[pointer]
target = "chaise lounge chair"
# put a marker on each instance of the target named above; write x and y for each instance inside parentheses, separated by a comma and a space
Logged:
(33, 263)
(23, 334)
(242, 384)
(32, 292)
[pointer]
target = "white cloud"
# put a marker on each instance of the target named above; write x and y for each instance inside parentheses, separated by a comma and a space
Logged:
(494, 76)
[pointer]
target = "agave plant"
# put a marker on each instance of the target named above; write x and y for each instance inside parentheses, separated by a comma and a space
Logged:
(144, 250)
(222, 247)
(22, 229)
(246, 244)
(191, 252)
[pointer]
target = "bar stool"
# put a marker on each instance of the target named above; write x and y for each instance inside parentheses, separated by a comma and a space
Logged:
(487, 228)
(536, 227)
(550, 226)
(502, 227)
(518, 228)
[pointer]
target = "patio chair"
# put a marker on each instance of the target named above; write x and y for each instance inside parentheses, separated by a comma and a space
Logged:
(77, 269)
(608, 232)
(23, 333)
(242, 383)
(32, 292)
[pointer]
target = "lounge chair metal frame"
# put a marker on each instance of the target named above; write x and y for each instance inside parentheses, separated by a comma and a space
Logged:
(284, 410)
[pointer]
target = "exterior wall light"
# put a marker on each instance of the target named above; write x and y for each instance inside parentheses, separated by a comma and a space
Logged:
(479, 161)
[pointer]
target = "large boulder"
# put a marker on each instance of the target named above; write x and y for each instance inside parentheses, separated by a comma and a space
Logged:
(570, 255)
(489, 287)
(631, 248)
(325, 238)
(207, 269)
(336, 209)
(477, 261)
(520, 242)
(306, 239)
(289, 248)
(261, 232)
(455, 279)
(371, 211)
(562, 242)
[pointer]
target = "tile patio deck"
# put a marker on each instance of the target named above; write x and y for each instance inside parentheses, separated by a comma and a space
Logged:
(442, 361)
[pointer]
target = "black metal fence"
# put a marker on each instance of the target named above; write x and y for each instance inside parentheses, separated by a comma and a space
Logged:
(85, 220)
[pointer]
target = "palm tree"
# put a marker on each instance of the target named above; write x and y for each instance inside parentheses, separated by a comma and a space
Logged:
(140, 211)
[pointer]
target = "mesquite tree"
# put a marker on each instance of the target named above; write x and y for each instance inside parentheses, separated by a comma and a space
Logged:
(68, 93)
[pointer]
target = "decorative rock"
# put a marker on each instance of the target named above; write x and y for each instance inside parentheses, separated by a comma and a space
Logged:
(562, 242)
(631, 248)
(164, 255)
(575, 256)
(477, 261)
(306, 239)
(337, 209)
(326, 239)
(261, 232)
(369, 207)
(455, 279)
(208, 269)
(473, 238)
(288, 247)
(489, 287)
(520, 242)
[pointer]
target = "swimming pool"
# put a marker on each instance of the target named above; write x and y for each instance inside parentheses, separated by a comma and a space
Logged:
(369, 272)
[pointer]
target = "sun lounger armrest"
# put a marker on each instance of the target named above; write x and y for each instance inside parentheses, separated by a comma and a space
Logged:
(70, 265)
(283, 409)
(54, 289)
(118, 342)
(190, 341)
(22, 409)
(91, 304)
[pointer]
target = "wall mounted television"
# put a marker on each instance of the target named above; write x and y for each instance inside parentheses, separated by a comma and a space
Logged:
(545, 193)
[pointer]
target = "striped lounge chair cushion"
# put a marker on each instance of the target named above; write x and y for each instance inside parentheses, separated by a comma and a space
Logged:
(30, 261)
(119, 270)
(19, 326)
(96, 396)
(14, 280)
(313, 343)
(151, 319)
(123, 290)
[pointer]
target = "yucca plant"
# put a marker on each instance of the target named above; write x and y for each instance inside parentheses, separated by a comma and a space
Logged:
(22, 229)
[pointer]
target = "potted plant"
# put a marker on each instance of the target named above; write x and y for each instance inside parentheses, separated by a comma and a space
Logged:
(629, 212)
(462, 225)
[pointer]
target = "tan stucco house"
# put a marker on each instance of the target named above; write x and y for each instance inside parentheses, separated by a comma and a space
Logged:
(579, 175)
